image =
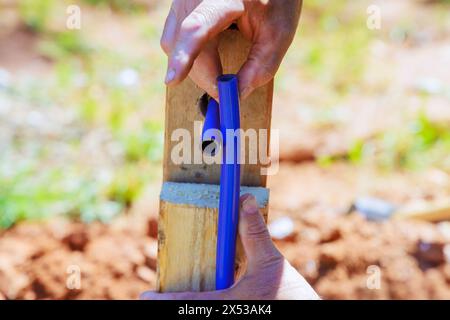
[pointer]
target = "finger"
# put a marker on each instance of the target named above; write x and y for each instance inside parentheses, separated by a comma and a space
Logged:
(207, 20)
(206, 68)
(209, 295)
(168, 37)
(258, 246)
(262, 63)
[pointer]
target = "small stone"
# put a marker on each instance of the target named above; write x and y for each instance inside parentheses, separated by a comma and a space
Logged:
(282, 228)
(374, 208)
(311, 267)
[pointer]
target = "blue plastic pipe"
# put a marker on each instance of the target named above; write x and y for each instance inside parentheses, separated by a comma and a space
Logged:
(212, 121)
(229, 182)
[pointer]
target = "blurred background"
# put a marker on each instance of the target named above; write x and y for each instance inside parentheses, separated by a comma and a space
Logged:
(360, 205)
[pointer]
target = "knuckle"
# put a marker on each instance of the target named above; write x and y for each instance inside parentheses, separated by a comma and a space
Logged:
(256, 230)
(193, 24)
(199, 17)
(269, 261)
(272, 259)
(279, 33)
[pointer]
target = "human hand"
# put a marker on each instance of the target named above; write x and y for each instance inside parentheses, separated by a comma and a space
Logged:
(190, 39)
(268, 274)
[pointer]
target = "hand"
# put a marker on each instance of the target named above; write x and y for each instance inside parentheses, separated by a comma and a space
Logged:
(268, 275)
(190, 39)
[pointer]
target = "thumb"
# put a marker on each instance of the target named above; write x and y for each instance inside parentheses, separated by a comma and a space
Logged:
(258, 246)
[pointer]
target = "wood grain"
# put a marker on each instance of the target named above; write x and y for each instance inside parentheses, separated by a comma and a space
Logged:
(186, 248)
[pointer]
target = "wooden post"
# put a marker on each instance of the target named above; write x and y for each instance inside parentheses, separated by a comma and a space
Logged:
(187, 235)
(187, 231)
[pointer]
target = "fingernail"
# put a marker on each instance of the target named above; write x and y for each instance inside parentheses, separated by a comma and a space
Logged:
(170, 75)
(249, 205)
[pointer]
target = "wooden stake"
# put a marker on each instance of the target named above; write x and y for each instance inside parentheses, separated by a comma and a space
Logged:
(187, 232)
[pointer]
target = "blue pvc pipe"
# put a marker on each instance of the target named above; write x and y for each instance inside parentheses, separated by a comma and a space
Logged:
(229, 183)
(212, 121)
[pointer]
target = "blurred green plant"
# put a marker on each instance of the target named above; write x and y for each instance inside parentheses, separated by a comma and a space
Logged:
(39, 14)
(420, 144)
(60, 45)
(331, 46)
(105, 91)
(28, 192)
(119, 5)
(36, 13)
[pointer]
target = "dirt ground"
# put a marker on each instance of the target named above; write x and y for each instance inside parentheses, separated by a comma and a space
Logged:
(338, 254)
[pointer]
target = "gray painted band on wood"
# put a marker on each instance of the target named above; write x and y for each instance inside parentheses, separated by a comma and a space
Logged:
(205, 195)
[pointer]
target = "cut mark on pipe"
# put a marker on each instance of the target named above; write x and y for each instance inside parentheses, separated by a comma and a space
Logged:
(226, 77)
(202, 103)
